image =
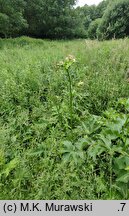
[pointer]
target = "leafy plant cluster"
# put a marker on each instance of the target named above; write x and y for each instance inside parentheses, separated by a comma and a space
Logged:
(108, 135)
(105, 139)
(63, 128)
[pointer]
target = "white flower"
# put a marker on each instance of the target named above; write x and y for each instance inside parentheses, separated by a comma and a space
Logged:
(70, 58)
(80, 83)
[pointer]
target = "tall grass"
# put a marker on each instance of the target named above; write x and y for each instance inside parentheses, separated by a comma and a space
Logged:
(35, 115)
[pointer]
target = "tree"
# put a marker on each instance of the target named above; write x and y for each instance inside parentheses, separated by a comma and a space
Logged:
(35, 16)
(100, 8)
(4, 24)
(50, 18)
(89, 14)
(115, 21)
(60, 20)
(92, 30)
(11, 17)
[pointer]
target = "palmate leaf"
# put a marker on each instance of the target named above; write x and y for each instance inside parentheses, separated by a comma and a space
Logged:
(68, 145)
(41, 149)
(121, 163)
(117, 149)
(73, 156)
(95, 150)
(117, 124)
(127, 142)
(110, 134)
(106, 141)
(71, 152)
(91, 125)
(124, 178)
(120, 168)
(66, 157)
(83, 143)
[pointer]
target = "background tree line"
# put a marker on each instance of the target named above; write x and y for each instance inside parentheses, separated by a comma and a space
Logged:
(60, 19)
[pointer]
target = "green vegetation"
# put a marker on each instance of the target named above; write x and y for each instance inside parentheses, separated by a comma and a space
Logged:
(60, 19)
(64, 126)
(115, 21)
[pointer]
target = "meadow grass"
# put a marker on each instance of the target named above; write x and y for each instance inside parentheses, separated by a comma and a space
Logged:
(35, 115)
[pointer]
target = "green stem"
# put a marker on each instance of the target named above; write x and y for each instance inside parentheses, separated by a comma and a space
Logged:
(110, 176)
(70, 97)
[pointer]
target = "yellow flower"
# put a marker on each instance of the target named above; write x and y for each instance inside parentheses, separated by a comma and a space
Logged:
(80, 83)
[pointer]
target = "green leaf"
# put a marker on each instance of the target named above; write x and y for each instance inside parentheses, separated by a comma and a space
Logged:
(71, 152)
(95, 150)
(124, 178)
(68, 145)
(127, 142)
(120, 164)
(106, 141)
(83, 143)
(35, 153)
(10, 166)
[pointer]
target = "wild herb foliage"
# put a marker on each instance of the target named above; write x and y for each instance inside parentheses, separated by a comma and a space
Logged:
(63, 129)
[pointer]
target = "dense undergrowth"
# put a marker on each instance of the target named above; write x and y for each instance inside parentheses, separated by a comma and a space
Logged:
(64, 124)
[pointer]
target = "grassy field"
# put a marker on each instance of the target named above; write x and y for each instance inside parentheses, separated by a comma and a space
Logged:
(64, 124)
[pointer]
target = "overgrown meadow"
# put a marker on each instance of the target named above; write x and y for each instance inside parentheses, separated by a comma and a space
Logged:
(64, 119)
